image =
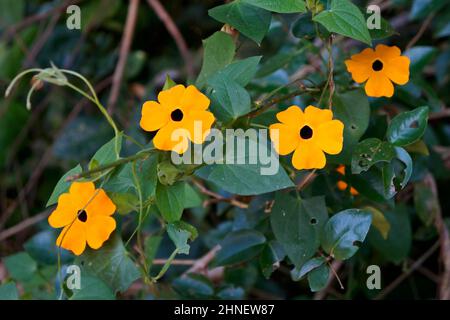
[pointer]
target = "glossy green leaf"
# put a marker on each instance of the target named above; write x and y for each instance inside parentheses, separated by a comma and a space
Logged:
(346, 19)
(219, 51)
(251, 21)
(170, 201)
(62, 186)
(314, 263)
(279, 6)
(240, 246)
(111, 263)
(369, 152)
(344, 232)
(420, 56)
(353, 109)
(408, 127)
(397, 173)
(297, 225)
(169, 83)
(318, 278)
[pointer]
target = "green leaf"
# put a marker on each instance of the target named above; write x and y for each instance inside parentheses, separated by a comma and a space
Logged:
(230, 99)
(420, 56)
(105, 155)
(270, 258)
(251, 21)
(397, 173)
(385, 30)
(193, 286)
(346, 19)
(179, 237)
(192, 199)
(62, 186)
(240, 71)
(151, 247)
(111, 263)
(92, 288)
(169, 83)
(279, 6)
(369, 152)
(11, 12)
(344, 233)
(239, 246)
(125, 202)
(318, 278)
(422, 8)
(21, 266)
(8, 291)
(408, 127)
(353, 109)
(314, 263)
(397, 246)
(170, 201)
(246, 178)
(219, 51)
(304, 27)
(297, 225)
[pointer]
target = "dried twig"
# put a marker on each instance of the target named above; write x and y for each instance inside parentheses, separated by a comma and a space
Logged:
(408, 272)
(421, 31)
(123, 53)
(218, 197)
(23, 225)
(335, 267)
(175, 33)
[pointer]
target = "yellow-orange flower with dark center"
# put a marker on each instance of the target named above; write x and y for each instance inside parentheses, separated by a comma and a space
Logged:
(308, 134)
(342, 185)
(380, 67)
(180, 116)
(85, 213)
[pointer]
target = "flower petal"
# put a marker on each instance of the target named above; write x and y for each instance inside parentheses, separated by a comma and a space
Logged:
(308, 156)
(397, 69)
(379, 85)
(153, 116)
(82, 192)
(73, 237)
(360, 70)
(292, 116)
(98, 230)
(171, 98)
(365, 56)
(330, 136)
(65, 212)
(285, 138)
(100, 204)
(315, 116)
(172, 137)
(194, 99)
(387, 53)
(199, 124)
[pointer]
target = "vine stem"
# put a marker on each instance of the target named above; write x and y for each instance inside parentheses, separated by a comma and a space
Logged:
(110, 165)
(330, 72)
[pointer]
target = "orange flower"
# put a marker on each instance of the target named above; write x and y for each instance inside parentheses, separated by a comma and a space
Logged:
(380, 68)
(85, 213)
(342, 185)
(308, 134)
(179, 115)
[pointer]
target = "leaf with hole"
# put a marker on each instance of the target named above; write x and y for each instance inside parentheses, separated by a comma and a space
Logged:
(407, 127)
(369, 152)
(344, 233)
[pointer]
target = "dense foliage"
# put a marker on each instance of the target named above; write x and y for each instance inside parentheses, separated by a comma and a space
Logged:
(373, 193)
